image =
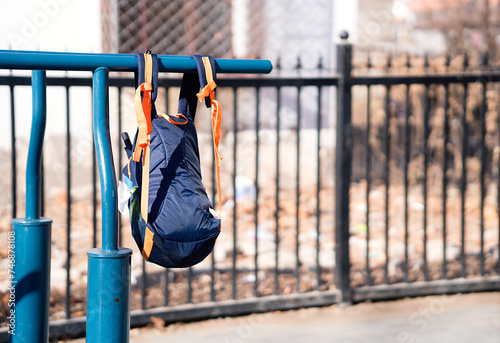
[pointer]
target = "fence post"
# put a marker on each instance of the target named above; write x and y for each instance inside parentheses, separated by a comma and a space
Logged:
(108, 286)
(30, 239)
(343, 161)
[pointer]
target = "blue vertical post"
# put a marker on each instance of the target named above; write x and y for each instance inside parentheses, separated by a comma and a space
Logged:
(30, 286)
(108, 289)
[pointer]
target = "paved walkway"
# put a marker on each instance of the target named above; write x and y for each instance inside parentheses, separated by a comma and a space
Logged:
(470, 318)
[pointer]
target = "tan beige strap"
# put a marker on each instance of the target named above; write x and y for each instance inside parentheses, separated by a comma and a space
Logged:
(148, 243)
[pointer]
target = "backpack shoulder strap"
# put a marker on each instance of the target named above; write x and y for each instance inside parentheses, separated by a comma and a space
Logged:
(145, 96)
(207, 77)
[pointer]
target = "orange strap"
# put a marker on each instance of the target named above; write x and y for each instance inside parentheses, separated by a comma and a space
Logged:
(142, 145)
(170, 120)
(216, 121)
(209, 90)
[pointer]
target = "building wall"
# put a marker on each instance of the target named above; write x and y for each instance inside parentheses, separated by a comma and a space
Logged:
(375, 23)
(172, 27)
(298, 28)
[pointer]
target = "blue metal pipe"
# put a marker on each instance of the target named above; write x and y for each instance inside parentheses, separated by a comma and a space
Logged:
(39, 91)
(108, 307)
(107, 176)
(108, 296)
(120, 62)
(31, 284)
(30, 241)
(108, 289)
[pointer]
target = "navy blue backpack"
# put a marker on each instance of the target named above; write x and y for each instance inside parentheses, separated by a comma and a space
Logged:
(172, 219)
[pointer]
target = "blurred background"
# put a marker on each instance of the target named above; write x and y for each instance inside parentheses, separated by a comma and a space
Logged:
(243, 28)
(425, 156)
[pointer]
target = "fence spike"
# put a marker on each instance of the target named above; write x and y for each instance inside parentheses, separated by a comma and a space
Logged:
(369, 64)
(278, 63)
(426, 62)
(466, 61)
(320, 63)
(447, 61)
(299, 64)
(484, 59)
(408, 61)
(389, 62)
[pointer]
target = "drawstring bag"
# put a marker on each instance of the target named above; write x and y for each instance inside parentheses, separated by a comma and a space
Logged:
(173, 221)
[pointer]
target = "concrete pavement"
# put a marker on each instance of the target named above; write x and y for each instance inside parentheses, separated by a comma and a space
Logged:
(448, 318)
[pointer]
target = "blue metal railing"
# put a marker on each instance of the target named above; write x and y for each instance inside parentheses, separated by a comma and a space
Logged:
(39, 84)
(232, 284)
(107, 173)
(108, 290)
(108, 297)
(33, 236)
(120, 62)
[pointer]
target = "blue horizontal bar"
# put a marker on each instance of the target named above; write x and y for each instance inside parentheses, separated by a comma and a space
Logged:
(40, 60)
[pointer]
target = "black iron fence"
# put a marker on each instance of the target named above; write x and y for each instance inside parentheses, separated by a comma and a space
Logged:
(398, 185)
(425, 143)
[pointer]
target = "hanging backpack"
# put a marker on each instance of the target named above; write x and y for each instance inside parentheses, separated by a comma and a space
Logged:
(172, 219)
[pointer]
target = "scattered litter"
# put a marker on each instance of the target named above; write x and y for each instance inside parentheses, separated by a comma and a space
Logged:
(248, 278)
(228, 204)
(416, 206)
(245, 188)
(359, 229)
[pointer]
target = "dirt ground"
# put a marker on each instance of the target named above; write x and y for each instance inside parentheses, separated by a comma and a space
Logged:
(446, 318)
